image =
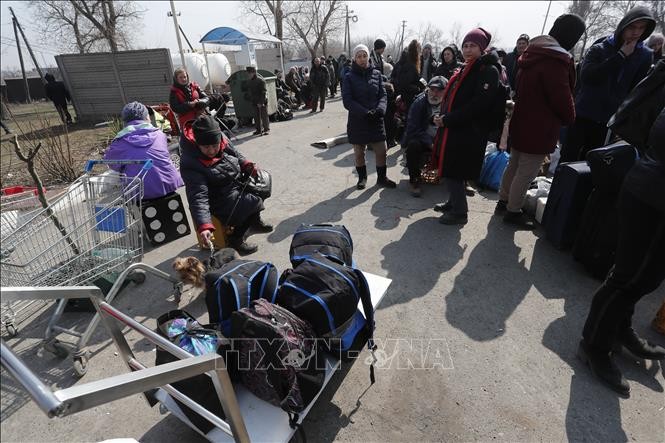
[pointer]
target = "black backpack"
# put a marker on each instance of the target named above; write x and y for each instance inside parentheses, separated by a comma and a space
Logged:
(283, 111)
(235, 285)
(328, 239)
(277, 352)
(325, 292)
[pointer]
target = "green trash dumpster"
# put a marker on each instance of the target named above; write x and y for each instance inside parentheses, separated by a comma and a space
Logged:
(240, 93)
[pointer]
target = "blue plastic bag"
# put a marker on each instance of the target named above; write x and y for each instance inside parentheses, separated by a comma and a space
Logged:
(492, 171)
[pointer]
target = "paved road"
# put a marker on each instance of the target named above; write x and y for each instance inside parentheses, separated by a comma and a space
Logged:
(478, 330)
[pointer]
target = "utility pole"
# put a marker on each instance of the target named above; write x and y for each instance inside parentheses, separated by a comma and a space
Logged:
(20, 59)
(177, 33)
(27, 45)
(347, 35)
(401, 40)
(547, 14)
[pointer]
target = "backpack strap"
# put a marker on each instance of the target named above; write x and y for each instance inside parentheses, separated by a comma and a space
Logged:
(368, 308)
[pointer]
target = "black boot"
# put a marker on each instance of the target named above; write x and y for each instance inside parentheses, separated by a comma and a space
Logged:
(382, 180)
(362, 177)
(259, 225)
(603, 368)
(519, 220)
(639, 347)
(443, 207)
(242, 246)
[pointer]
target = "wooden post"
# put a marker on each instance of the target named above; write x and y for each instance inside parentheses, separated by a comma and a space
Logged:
(27, 45)
(28, 99)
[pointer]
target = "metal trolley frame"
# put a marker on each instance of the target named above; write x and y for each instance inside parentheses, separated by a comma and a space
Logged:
(141, 379)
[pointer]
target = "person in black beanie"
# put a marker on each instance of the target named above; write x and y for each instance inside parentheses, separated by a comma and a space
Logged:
(544, 103)
(212, 170)
(376, 57)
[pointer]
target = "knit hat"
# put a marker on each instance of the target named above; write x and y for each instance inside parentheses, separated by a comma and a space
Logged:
(478, 36)
(359, 48)
(524, 37)
(427, 45)
(378, 44)
(438, 82)
(567, 30)
(134, 111)
(206, 131)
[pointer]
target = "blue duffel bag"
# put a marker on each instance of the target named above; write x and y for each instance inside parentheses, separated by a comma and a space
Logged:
(493, 167)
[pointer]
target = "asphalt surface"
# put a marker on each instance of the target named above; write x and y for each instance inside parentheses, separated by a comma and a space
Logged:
(477, 333)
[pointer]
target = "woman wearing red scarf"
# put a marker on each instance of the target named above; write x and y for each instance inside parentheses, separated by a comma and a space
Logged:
(464, 124)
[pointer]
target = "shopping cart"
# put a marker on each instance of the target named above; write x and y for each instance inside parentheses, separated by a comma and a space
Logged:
(93, 232)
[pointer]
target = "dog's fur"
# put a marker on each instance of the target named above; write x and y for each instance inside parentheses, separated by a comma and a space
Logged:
(192, 270)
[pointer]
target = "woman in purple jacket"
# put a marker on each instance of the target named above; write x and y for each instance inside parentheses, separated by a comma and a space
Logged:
(139, 140)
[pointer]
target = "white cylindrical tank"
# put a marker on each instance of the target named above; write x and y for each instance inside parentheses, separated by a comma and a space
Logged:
(196, 67)
(220, 68)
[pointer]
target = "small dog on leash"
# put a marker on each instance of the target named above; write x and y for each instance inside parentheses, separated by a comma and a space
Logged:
(192, 270)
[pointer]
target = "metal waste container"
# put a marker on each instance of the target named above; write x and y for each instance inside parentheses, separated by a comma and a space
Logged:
(240, 93)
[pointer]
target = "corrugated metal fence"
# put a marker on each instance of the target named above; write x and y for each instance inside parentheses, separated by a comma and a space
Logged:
(100, 84)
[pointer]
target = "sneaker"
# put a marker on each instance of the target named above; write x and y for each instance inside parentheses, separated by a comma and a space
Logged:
(414, 189)
(501, 207)
(604, 369)
(448, 218)
(362, 183)
(443, 207)
(519, 220)
(470, 191)
(639, 347)
(385, 182)
(312, 111)
(265, 133)
(256, 133)
(392, 144)
(244, 247)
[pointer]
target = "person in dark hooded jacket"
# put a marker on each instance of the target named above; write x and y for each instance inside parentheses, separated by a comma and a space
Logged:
(545, 84)
(610, 70)
(510, 60)
(59, 95)
(211, 169)
(408, 76)
(427, 62)
(465, 123)
(186, 98)
(364, 96)
(449, 63)
(318, 78)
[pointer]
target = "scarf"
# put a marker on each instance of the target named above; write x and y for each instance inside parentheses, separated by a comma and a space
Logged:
(448, 98)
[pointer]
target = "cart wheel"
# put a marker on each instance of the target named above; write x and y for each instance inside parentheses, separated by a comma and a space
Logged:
(138, 277)
(163, 409)
(80, 366)
(56, 348)
(11, 330)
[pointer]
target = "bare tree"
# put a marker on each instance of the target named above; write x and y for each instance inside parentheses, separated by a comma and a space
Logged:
(317, 20)
(455, 34)
(64, 26)
(272, 14)
(658, 9)
(112, 19)
(429, 33)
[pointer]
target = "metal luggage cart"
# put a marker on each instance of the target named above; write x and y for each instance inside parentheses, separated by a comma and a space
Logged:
(140, 379)
(93, 231)
(17, 205)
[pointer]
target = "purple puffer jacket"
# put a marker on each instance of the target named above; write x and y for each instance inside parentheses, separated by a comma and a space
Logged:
(140, 140)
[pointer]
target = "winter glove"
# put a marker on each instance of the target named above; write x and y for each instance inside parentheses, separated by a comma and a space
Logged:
(248, 168)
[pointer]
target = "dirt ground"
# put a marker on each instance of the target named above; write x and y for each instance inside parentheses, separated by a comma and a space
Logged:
(35, 123)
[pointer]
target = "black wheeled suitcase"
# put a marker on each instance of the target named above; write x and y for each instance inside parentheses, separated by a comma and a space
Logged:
(596, 241)
(568, 195)
(609, 166)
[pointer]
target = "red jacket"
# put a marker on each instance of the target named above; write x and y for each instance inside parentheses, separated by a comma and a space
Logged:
(544, 101)
(179, 102)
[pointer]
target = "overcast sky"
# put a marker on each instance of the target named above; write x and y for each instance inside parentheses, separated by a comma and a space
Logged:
(508, 18)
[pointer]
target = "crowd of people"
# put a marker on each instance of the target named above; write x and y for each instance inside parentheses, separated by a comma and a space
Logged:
(443, 111)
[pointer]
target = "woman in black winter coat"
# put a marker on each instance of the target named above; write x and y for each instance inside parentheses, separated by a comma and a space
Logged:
(364, 96)
(464, 124)
(408, 78)
(449, 63)
(318, 78)
(211, 169)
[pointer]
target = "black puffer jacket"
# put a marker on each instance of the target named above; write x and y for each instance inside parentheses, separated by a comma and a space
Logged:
(408, 83)
(319, 76)
(212, 186)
